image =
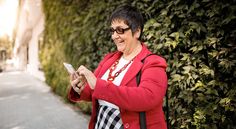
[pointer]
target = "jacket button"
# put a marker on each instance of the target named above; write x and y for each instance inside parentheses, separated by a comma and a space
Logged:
(127, 125)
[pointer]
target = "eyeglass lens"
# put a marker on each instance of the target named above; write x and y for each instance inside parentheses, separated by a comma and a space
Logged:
(119, 30)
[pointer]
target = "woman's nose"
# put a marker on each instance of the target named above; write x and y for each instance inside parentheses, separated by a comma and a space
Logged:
(115, 35)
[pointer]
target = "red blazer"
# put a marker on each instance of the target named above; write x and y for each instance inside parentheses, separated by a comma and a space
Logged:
(130, 98)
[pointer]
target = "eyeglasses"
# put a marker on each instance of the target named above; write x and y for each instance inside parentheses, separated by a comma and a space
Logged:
(118, 30)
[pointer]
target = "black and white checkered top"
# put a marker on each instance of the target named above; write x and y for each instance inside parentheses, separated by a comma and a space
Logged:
(109, 114)
(108, 118)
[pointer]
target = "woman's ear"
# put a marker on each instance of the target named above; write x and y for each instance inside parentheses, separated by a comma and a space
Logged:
(137, 33)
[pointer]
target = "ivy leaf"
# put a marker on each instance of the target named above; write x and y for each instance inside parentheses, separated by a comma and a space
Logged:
(176, 77)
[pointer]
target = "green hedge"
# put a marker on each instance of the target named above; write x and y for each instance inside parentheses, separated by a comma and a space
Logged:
(197, 38)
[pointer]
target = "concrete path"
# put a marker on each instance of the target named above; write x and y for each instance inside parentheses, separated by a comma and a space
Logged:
(27, 103)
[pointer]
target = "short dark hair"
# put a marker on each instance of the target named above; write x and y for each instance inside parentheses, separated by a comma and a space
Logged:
(131, 16)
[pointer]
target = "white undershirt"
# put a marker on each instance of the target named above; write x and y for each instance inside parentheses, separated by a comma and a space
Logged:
(117, 80)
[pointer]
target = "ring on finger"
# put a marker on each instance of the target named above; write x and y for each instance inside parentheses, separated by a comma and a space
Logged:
(77, 85)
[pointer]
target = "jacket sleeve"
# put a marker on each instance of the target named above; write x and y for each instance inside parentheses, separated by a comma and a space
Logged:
(148, 95)
(86, 94)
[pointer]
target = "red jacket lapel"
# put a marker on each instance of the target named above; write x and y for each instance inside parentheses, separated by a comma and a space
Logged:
(136, 66)
(108, 62)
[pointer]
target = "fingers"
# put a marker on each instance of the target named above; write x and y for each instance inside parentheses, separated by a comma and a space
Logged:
(74, 82)
(78, 79)
(79, 70)
(73, 76)
(82, 70)
(77, 82)
(80, 84)
(79, 90)
(76, 89)
(75, 85)
(79, 87)
(88, 76)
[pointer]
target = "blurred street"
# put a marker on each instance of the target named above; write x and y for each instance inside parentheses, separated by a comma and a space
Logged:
(27, 103)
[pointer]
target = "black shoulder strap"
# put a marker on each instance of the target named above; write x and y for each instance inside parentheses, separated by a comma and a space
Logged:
(138, 76)
(142, 115)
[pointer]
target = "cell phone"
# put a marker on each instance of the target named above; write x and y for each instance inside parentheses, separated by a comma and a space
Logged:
(69, 68)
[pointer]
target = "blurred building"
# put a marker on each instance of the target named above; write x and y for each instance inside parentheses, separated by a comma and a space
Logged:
(3, 55)
(29, 29)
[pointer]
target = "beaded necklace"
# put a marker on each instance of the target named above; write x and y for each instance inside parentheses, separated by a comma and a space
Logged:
(113, 67)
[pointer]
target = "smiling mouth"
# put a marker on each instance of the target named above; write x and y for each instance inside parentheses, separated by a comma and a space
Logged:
(119, 42)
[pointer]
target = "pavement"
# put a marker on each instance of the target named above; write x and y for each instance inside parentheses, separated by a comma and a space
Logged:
(28, 103)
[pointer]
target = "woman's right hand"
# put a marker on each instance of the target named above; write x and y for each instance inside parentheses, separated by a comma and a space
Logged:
(77, 82)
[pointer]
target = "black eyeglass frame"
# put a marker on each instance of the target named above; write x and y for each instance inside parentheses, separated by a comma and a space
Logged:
(119, 30)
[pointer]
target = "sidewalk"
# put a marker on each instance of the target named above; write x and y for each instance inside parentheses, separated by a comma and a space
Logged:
(27, 103)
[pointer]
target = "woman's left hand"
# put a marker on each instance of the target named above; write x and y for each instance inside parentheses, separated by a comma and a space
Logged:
(90, 77)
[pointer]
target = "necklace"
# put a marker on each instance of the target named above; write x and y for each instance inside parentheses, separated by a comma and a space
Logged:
(113, 67)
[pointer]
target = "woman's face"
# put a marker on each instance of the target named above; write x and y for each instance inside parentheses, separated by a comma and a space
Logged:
(124, 42)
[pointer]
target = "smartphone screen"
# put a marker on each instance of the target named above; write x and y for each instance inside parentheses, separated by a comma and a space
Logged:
(69, 68)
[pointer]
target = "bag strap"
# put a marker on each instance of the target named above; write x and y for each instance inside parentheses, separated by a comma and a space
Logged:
(138, 76)
(142, 115)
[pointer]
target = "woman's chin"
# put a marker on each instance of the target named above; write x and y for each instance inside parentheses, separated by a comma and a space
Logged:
(121, 49)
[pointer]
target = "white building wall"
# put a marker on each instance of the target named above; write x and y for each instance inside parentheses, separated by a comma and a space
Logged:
(33, 60)
(30, 27)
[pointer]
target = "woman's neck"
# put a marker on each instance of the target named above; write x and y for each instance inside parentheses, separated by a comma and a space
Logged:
(135, 51)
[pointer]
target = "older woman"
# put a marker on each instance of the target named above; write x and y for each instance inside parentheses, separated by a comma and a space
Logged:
(113, 89)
